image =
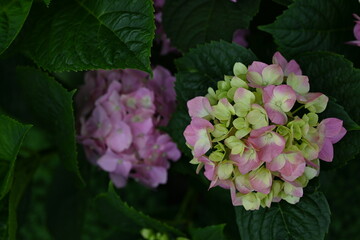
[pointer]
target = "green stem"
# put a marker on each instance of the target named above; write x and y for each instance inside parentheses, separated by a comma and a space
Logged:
(299, 108)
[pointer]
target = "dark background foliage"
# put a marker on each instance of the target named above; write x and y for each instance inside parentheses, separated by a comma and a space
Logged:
(48, 190)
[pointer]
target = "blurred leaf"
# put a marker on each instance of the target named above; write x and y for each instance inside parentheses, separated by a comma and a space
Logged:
(128, 218)
(284, 2)
(307, 220)
(12, 134)
(25, 169)
(188, 23)
(47, 2)
(215, 232)
(92, 34)
(13, 14)
(308, 25)
(51, 104)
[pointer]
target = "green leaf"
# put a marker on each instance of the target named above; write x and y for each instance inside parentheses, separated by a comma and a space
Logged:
(25, 170)
(205, 65)
(12, 17)
(51, 105)
(309, 25)
(198, 70)
(284, 2)
(92, 34)
(12, 134)
(334, 76)
(121, 213)
(307, 220)
(215, 232)
(47, 2)
(188, 23)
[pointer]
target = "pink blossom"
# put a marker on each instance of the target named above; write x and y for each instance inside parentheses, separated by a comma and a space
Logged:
(332, 130)
(260, 74)
(268, 143)
(287, 67)
(197, 135)
(278, 100)
(118, 126)
(356, 31)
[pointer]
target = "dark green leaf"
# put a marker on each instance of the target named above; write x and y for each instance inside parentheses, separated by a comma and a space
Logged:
(189, 23)
(215, 232)
(121, 213)
(47, 2)
(320, 25)
(307, 220)
(12, 134)
(12, 17)
(284, 2)
(93, 34)
(52, 107)
(204, 66)
(25, 169)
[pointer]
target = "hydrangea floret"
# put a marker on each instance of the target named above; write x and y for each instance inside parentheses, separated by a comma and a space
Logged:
(250, 138)
(356, 31)
(119, 112)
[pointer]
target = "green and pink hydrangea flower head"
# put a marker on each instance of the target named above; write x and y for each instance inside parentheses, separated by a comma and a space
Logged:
(119, 115)
(249, 135)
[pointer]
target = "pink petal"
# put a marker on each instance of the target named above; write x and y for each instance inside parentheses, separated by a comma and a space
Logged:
(327, 151)
(257, 67)
(275, 115)
(120, 137)
(261, 180)
(246, 161)
(118, 180)
(292, 67)
(279, 59)
(333, 127)
(210, 171)
(199, 107)
(272, 74)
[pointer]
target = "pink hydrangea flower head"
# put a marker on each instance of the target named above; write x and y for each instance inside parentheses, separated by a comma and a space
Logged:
(250, 140)
(356, 31)
(119, 120)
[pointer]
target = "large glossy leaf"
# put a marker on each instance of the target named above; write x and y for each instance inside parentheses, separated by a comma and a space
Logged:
(189, 23)
(322, 25)
(12, 134)
(307, 220)
(52, 106)
(91, 34)
(13, 14)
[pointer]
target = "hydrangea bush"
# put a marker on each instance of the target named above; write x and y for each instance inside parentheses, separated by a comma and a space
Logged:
(250, 138)
(175, 120)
